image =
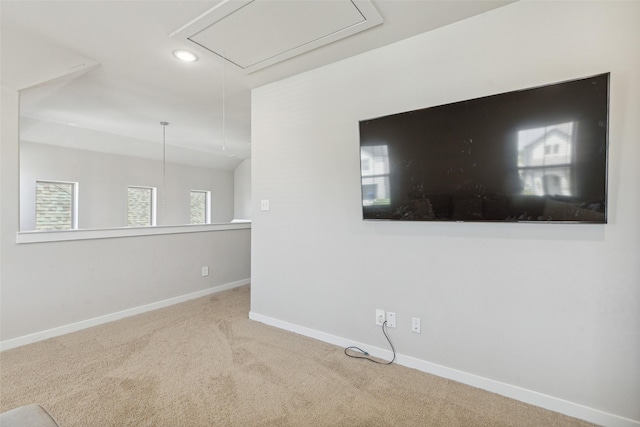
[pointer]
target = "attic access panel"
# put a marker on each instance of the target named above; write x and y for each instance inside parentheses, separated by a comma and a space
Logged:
(254, 34)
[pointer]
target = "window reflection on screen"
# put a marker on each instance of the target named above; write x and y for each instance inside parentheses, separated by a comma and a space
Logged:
(374, 164)
(545, 159)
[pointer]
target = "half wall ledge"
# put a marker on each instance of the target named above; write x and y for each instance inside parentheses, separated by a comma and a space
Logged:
(110, 233)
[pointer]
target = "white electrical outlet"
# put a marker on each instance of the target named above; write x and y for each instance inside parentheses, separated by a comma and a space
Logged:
(205, 271)
(264, 205)
(415, 325)
(380, 317)
(391, 319)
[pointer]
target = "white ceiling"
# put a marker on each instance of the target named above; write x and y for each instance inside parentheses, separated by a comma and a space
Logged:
(99, 67)
(253, 35)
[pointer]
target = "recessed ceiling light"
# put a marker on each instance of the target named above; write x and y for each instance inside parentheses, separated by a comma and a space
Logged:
(185, 55)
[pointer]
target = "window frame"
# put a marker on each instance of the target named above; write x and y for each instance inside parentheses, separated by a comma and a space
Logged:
(153, 205)
(74, 203)
(207, 207)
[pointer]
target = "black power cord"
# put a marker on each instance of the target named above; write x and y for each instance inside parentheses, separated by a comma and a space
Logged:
(364, 355)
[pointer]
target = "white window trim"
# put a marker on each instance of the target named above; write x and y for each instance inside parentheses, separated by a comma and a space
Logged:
(154, 201)
(207, 214)
(74, 201)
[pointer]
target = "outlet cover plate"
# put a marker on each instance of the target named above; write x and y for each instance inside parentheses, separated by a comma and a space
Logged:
(415, 325)
(391, 319)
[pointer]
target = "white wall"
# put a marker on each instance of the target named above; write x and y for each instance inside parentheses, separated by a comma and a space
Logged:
(55, 284)
(546, 313)
(103, 180)
(242, 190)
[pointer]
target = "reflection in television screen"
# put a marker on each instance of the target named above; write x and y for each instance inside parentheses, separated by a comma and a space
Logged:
(531, 155)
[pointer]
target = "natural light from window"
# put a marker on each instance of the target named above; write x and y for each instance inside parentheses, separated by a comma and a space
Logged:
(56, 205)
(200, 208)
(141, 206)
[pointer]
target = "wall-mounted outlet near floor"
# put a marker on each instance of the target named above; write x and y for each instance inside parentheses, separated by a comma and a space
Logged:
(391, 319)
(205, 271)
(380, 316)
(415, 325)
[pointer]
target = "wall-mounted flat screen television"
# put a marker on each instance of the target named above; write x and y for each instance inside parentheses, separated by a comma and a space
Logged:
(536, 154)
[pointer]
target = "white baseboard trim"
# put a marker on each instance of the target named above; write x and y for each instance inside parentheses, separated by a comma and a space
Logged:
(524, 395)
(73, 327)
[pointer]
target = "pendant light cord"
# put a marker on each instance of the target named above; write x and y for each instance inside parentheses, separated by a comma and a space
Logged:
(224, 106)
(164, 170)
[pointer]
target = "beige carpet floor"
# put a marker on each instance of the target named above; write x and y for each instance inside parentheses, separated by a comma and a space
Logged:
(203, 363)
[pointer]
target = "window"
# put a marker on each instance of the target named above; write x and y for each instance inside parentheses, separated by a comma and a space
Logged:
(200, 211)
(141, 206)
(56, 205)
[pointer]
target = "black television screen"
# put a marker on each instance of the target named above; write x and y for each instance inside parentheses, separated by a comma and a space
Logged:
(537, 154)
